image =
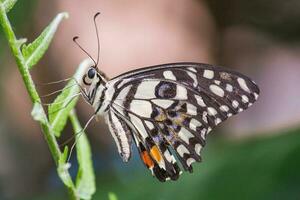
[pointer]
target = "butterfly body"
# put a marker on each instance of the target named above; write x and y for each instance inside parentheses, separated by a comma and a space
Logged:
(167, 110)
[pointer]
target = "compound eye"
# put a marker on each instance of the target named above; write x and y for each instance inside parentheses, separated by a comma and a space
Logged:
(91, 73)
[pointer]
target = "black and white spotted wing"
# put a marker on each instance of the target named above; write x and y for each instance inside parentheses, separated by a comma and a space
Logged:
(168, 110)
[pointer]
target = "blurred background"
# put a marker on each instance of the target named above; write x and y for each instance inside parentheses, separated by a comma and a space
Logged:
(254, 155)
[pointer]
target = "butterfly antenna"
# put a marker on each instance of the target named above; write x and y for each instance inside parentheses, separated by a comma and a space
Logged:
(62, 102)
(78, 134)
(57, 91)
(98, 40)
(54, 82)
(75, 40)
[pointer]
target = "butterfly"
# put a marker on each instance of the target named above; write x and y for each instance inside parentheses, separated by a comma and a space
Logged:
(166, 110)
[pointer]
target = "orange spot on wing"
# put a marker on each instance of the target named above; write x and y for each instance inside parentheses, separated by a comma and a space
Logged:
(155, 153)
(146, 159)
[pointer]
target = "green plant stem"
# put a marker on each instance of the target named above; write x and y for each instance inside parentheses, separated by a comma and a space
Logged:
(30, 86)
(15, 47)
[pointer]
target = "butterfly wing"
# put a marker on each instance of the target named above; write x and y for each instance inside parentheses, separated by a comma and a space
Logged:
(121, 133)
(171, 108)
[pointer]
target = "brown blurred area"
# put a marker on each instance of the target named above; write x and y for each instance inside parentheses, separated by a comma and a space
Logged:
(137, 34)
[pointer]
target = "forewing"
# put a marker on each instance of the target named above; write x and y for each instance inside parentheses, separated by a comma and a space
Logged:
(175, 106)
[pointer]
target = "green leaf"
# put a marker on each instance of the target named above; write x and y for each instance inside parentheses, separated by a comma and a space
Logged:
(85, 182)
(59, 110)
(8, 5)
(34, 51)
(38, 114)
(21, 42)
(63, 169)
(63, 172)
(112, 196)
(64, 155)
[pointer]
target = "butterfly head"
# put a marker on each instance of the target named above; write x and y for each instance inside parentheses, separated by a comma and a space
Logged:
(94, 83)
(93, 77)
(90, 76)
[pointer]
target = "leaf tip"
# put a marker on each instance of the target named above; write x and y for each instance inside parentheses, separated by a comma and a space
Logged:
(63, 173)
(64, 15)
(38, 113)
(21, 41)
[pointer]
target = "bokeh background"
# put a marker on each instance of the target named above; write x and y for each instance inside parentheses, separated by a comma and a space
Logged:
(254, 155)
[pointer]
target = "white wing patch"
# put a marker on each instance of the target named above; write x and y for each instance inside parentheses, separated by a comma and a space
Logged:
(245, 99)
(181, 92)
(182, 150)
(198, 148)
(229, 87)
(194, 124)
(141, 107)
(123, 82)
(209, 74)
(190, 161)
(243, 84)
(122, 95)
(169, 75)
(194, 77)
(235, 103)
(212, 111)
(185, 135)
(170, 158)
(164, 103)
(200, 101)
(149, 125)
(191, 109)
(218, 121)
(138, 124)
(146, 90)
(216, 90)
(192, 69)
(224, 108)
